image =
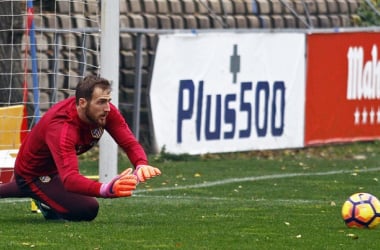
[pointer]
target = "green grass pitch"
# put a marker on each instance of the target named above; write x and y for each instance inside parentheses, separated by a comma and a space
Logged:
(286, 199)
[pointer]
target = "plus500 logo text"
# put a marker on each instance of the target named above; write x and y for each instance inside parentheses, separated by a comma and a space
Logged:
(263, 105)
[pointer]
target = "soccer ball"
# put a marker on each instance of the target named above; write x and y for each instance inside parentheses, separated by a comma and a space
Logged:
(361, 210)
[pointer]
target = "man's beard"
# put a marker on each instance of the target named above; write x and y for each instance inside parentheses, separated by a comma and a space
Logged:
(93, 119)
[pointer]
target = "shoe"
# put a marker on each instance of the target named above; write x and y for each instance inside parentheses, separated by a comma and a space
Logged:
(46, 211)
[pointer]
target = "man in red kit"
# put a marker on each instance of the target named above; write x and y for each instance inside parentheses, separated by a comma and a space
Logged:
(47, 169)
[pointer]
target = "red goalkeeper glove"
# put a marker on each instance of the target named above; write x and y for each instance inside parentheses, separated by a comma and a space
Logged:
(145, 172)
(120, 186)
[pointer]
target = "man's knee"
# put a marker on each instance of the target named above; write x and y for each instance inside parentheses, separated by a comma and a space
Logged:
(86, 212)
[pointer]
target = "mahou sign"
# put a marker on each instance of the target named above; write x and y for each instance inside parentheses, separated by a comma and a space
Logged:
(343, 87)
(363, 80)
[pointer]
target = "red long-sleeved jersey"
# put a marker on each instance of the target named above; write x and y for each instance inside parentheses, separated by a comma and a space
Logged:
(55, 141)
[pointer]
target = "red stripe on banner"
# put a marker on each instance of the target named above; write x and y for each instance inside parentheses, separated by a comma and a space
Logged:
(24, 124)
(6, 175)
(30, 16)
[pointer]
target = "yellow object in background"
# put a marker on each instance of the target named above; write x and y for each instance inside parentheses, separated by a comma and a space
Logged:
(10, 126)
(33, 207)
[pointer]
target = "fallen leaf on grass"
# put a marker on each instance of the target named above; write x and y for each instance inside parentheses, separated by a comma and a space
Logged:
(353, 236)
(360, 157)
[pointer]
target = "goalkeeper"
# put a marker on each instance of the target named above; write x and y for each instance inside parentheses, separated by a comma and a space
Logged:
(47, 169)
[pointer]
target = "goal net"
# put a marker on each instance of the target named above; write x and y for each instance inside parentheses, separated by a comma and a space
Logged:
(45, 48)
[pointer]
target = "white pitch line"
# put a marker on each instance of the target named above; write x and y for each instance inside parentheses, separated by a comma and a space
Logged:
(14, 200)
(254, 178)
(192, 198)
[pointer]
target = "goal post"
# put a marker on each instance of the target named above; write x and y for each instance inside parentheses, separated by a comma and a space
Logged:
(109, 58)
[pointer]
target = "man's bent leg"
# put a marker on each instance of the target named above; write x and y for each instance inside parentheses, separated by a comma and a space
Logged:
(11, 190)
(49, 190)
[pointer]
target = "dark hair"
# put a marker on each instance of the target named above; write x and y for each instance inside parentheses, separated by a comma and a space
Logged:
(86, 87)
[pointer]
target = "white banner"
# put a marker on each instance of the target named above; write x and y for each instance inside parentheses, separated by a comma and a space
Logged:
(225, 92)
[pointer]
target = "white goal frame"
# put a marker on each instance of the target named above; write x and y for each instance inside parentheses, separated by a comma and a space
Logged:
(109, 68)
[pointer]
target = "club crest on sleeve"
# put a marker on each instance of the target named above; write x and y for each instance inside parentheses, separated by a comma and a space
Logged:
(97, 132)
